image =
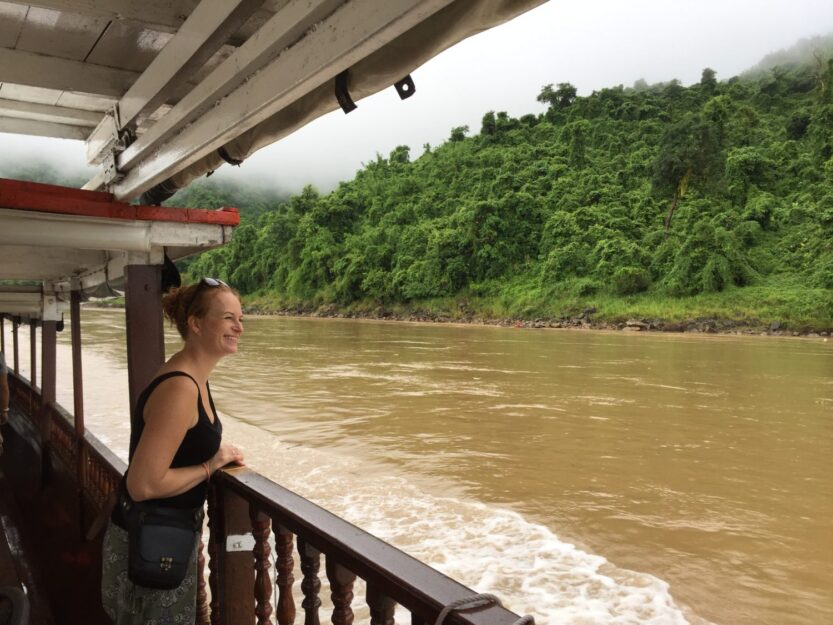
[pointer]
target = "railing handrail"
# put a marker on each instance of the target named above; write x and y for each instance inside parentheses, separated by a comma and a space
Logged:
(411, 583)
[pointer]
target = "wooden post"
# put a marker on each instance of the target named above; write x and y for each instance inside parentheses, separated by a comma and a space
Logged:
(48, 340)
(145, 334)
(284, 564)
(237, 580)
(382, 607)
(15, 323)
(33, 351)
(311, 584)
(77, 378)
(341, 591)
(216, 548)
(78, 402)
(261, 528)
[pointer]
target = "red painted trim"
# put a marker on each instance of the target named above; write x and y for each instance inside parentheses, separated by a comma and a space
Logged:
(48, 198)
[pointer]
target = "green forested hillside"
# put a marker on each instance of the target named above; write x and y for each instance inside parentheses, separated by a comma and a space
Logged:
(661, 201)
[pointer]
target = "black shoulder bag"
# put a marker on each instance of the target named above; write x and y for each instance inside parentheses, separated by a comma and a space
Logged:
(161, 542)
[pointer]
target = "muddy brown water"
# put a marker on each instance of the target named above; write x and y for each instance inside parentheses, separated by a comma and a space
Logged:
(586, 477)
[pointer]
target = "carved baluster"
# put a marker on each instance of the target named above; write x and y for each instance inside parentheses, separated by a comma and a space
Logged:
(341, 592)
(214, 535)
(261, 528)
(382, 607)
(202, 598)
(311, 585)
(284, 564)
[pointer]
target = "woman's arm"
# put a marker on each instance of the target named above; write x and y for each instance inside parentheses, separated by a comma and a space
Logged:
(169, 412)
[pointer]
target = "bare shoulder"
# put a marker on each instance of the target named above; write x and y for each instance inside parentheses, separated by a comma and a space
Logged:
(175, 397)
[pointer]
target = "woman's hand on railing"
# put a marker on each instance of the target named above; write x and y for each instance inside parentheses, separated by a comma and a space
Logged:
(227, 454)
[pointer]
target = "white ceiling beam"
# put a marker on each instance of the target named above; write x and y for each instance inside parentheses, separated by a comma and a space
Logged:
(283, 29)
(29, 263)
(168, 15)
(20, 303)
(207, 28)
(19, 126)
(165, 16)
(94, 276)
(51, 72)
(45, 230)
(48, 113)
(350, 34)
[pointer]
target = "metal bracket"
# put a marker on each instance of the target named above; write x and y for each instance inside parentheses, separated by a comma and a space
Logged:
(228, 158)
(49, 305)
(405, 87)
(109, 169)
(106, 142)
(342, 95)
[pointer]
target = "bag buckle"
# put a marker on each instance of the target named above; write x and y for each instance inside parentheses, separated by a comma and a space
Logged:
(165, 563)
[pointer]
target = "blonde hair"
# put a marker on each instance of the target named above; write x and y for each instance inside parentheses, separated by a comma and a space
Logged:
(185, 301)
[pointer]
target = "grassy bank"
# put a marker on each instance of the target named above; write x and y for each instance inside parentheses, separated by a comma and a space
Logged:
(782, 305)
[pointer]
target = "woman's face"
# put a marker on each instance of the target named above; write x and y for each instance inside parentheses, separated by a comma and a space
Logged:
(222, 325)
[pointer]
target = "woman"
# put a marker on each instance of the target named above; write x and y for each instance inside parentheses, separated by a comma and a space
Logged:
(175, 446)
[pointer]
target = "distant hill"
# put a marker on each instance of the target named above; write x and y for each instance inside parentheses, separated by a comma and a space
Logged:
(40, 171)
(251, 200)
(806, 52)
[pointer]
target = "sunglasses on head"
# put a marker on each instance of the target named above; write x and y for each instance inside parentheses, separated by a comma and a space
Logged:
(205, 282)
(213, 282)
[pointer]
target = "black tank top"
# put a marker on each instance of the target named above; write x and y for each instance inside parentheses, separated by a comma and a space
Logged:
(200, 444)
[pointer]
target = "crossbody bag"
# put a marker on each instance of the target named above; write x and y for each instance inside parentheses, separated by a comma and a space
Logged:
(161, 541)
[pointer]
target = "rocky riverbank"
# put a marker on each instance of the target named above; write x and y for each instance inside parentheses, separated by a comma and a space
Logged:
(586, 320)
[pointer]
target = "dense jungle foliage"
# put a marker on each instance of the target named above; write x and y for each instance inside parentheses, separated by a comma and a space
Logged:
(655, 200)
(661, 189)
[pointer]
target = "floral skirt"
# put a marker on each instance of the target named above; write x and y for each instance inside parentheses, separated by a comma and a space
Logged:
(128, 604)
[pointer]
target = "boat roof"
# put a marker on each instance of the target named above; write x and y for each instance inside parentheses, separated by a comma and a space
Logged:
(154, 88)
(165, 91)
(70, 239)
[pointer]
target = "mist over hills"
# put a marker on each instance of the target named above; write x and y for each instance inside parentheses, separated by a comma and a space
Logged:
(806, 51)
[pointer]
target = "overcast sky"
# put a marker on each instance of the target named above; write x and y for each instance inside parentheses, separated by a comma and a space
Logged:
(592, 44)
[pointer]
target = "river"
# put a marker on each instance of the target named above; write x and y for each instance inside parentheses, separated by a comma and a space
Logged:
(584, 477)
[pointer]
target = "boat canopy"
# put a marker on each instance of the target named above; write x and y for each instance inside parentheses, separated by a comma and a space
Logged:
(165, 91)
(54, 240)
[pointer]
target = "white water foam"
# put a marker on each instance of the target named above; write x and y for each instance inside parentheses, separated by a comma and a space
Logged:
(487, 548)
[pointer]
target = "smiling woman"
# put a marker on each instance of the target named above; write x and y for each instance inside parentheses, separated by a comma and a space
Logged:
(175, 446)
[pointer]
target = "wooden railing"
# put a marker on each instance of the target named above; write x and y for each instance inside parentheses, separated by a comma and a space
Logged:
(245, 586)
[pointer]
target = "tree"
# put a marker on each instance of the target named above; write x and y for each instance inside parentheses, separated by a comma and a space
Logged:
(689, 151)
(560, 98)
(488, 126)
(575, 134)
(708, 81)
(401, 155)
(458, 133)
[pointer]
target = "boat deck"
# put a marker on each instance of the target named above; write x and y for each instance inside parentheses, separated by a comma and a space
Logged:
(16, 563)
(35, 555)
